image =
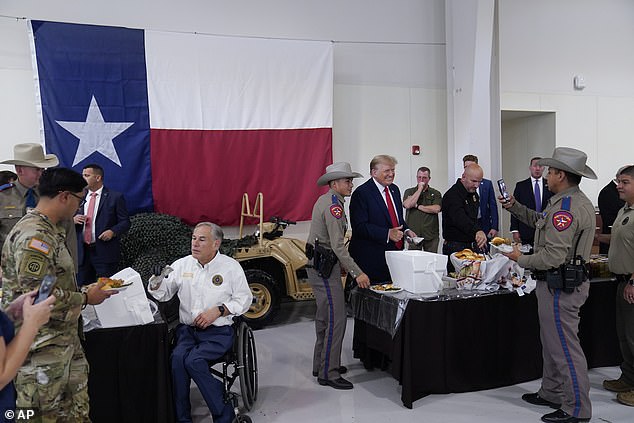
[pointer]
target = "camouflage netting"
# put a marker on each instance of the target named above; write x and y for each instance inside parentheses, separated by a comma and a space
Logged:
(154, 239)
(160, 239)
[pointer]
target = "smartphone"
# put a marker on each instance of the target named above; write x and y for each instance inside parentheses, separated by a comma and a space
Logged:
(46, 287)
(503, 191)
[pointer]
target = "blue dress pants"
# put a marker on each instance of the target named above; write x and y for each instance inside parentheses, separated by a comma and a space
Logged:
(194, 349)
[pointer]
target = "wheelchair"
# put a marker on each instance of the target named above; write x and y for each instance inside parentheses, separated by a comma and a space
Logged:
(241, 362)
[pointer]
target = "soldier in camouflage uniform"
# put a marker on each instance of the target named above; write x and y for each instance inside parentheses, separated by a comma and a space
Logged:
(566, 224)
(328, 227)
(54, 377)
(18, 197)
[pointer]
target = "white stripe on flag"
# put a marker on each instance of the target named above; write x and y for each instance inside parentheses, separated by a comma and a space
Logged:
(214, 83)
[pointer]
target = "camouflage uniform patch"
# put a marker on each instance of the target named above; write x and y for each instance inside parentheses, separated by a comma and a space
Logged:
(33, 264)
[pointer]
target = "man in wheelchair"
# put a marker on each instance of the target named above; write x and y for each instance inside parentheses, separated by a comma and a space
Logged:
(211, 288)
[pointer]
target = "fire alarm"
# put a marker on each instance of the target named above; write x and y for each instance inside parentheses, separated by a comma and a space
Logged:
(415, 150)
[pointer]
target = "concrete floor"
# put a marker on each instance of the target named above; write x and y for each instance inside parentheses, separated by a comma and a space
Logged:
(289, 394)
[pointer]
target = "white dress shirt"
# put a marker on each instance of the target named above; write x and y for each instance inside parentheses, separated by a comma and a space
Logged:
(221, 281)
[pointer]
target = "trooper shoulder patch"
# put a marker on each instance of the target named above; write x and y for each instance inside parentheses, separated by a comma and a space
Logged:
(336, 210)
(217, 280)
(562, 220)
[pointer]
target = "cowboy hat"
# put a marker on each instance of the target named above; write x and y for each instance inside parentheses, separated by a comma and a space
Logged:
(571, 160)
(32, 155)
(337, 170)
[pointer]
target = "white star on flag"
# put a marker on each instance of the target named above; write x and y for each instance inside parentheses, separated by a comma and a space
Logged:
(95, 135)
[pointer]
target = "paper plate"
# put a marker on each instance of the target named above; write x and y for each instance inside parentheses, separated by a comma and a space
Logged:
(392, 289)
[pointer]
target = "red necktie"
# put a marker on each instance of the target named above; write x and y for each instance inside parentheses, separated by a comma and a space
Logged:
(89, 219)
(392, 211)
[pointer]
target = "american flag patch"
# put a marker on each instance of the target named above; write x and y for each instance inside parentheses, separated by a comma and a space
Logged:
(39, 245)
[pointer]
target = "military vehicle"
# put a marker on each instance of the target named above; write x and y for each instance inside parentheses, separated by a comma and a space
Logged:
(275, 266)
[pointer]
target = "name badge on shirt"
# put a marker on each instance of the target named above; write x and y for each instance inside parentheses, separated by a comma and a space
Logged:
(187, 275)
(217, 280)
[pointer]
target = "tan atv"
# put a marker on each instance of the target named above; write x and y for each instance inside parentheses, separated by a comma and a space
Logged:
(275, 266)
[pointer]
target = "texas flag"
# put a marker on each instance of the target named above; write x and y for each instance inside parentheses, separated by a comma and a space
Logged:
(184, 124)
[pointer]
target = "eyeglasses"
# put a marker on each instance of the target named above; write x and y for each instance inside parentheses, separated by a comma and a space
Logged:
(82, 200)
(621, 181)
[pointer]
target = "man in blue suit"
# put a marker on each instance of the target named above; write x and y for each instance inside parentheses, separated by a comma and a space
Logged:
(488, 214)
(103, 220)
(526, 193)
(376, 215)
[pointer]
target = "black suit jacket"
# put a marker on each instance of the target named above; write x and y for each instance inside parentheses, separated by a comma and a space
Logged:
(371, 222)
(524, 194)
(111, 214)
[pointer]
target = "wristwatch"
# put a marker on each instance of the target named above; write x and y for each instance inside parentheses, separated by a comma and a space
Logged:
(222, 309)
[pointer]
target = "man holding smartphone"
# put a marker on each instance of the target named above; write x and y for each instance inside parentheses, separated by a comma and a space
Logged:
(54, 377)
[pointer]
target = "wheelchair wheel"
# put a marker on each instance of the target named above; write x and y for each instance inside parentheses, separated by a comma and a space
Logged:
(247, 366)
(242, 419)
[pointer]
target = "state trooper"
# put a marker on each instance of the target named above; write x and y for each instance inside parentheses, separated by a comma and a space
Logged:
(54, 377)
(327, 250)
(563, 241)
(17, 198)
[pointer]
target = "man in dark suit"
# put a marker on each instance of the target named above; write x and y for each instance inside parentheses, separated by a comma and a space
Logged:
(532, 192)
(376, 215)
(103, 220)
(488, 213)
(609, 206)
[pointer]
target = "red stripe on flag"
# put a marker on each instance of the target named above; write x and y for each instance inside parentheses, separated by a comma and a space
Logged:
(200, 175)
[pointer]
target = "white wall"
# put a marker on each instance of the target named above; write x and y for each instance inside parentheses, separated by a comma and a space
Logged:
(523, 137)
(389, 65)
(543, 44)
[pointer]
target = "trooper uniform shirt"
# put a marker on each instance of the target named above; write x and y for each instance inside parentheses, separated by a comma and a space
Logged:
(557, 229)
(568, 217)
(328, 225)
(621, 253)
(54, 375)
(221, 281)
(12, 207)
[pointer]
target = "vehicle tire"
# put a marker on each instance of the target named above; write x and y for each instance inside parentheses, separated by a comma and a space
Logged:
(247, 366)
(266, 298)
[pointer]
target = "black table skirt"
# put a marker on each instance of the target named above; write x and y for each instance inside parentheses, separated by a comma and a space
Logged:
(479, 343)
(130, 379)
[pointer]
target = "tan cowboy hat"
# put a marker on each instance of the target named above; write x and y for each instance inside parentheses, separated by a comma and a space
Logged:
(337, 170)
(32, 155)
(571, 160)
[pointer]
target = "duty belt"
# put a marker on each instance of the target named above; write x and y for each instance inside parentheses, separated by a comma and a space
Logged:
(538, 275)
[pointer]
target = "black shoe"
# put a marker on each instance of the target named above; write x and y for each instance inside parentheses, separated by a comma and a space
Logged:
(535, 399)
(560, 416)
(342, 370)
(339, 383)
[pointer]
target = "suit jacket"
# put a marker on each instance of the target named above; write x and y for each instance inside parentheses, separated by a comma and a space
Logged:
(523, 193)
(370, 221)
(609, 206)
(111, 214)
(488, 207)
